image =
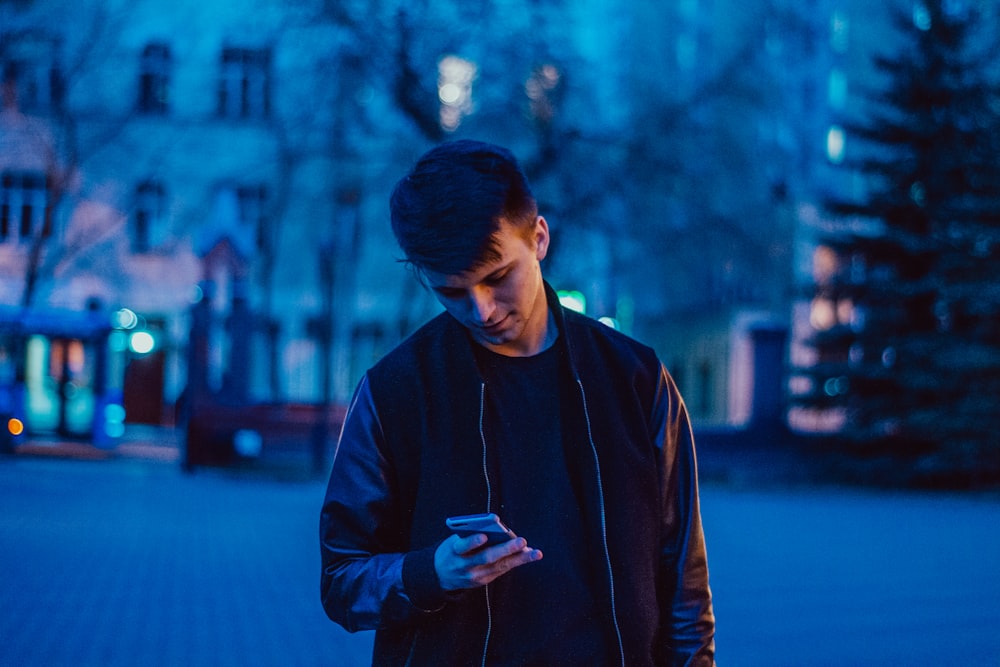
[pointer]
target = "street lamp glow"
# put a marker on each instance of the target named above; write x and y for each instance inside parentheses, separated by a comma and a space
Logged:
(125, 318)
(141, 342)
(450, 93)
(835, 140)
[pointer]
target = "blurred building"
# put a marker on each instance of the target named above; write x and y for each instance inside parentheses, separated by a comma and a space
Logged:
(215, 176)
(155, 156)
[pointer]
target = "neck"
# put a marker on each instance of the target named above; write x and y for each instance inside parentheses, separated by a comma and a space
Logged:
(546, 336)
(551, 331)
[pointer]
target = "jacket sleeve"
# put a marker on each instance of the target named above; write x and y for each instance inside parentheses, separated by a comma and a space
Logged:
(369, 579)
(688, 618)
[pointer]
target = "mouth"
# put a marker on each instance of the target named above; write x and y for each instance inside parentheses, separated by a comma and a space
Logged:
(495, 327)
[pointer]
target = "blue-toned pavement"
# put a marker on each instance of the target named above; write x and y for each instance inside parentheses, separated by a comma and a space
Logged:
(127, 560)
(114, 559)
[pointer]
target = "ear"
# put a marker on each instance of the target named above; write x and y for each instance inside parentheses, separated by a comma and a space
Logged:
(541, 238)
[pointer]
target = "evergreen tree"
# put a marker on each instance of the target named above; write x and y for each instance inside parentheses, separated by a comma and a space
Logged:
(911, 351)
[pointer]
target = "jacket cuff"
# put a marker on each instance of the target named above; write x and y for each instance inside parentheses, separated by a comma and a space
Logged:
(421, 583)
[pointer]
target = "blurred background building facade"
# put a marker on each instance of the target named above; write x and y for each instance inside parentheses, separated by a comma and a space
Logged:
(204, 185)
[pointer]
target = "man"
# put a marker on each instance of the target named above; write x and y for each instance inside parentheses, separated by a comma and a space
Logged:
(571, 432)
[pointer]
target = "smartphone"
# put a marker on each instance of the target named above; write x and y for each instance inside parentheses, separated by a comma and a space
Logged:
(472, 524)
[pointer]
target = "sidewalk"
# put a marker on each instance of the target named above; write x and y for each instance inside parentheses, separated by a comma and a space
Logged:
(128, 560)
(142, 442)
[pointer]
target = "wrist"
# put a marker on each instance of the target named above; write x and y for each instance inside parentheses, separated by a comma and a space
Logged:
(421, 581)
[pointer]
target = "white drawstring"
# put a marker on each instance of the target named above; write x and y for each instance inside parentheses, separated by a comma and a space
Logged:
(604, 525)
(489, 502)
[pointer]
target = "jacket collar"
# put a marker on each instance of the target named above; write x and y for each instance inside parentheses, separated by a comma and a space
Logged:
(564, 339)
(459, 342)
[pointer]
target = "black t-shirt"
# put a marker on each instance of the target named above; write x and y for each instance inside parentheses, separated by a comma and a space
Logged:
(544, 613)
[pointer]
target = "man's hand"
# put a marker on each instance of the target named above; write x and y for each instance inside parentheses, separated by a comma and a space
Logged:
(464, 563)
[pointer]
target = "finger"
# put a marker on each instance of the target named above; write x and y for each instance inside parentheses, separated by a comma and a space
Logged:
(484, 555)
(525, 555)
(487, 572)
(453, 561)
(512, 546)
(463, 545)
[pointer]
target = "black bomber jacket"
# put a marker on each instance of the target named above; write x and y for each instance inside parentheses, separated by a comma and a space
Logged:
(412, 453)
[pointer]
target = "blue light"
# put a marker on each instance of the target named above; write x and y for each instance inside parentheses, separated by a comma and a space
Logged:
(114, 412)
(125, 318)
(118, 341)
(142, 342)
(573, 300)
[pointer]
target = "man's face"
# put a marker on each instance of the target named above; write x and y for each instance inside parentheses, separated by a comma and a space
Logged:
(502, 303)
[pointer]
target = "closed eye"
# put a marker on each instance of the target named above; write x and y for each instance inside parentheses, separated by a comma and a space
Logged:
(496, 278)
(492, 280)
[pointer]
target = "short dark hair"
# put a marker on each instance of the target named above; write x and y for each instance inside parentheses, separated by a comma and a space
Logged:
(447, 210)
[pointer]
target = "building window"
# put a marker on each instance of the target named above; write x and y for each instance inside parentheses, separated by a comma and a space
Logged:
(154, 79)
(25, 209)
(244, 83)
(148, 216)
(251, 200)
(30, 84)
(239, 216)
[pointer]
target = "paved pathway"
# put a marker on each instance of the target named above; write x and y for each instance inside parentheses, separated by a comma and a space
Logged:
(840, 578)
(129, 561)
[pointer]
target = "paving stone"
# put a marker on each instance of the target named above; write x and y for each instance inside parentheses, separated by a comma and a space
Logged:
(129, 562)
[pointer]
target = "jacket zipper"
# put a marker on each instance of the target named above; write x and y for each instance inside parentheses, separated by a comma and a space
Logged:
(413, 650)
(604, 524)
(603, 517)
(489, 504)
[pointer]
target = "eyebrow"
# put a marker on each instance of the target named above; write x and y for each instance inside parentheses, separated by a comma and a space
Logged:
(441, 289)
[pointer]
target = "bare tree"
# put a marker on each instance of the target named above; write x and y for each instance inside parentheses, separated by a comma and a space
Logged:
(49, 248)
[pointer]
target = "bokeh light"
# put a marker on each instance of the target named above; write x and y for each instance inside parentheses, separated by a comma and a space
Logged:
(125, 318)
(141, 342)
(15, 426)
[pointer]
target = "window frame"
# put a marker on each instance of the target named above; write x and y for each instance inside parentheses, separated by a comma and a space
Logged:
(148, 215)
(25, 206)
(35, 76)
(244, 85)
(155, 69)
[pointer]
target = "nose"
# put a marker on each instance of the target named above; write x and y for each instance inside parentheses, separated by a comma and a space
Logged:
(482, 304)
